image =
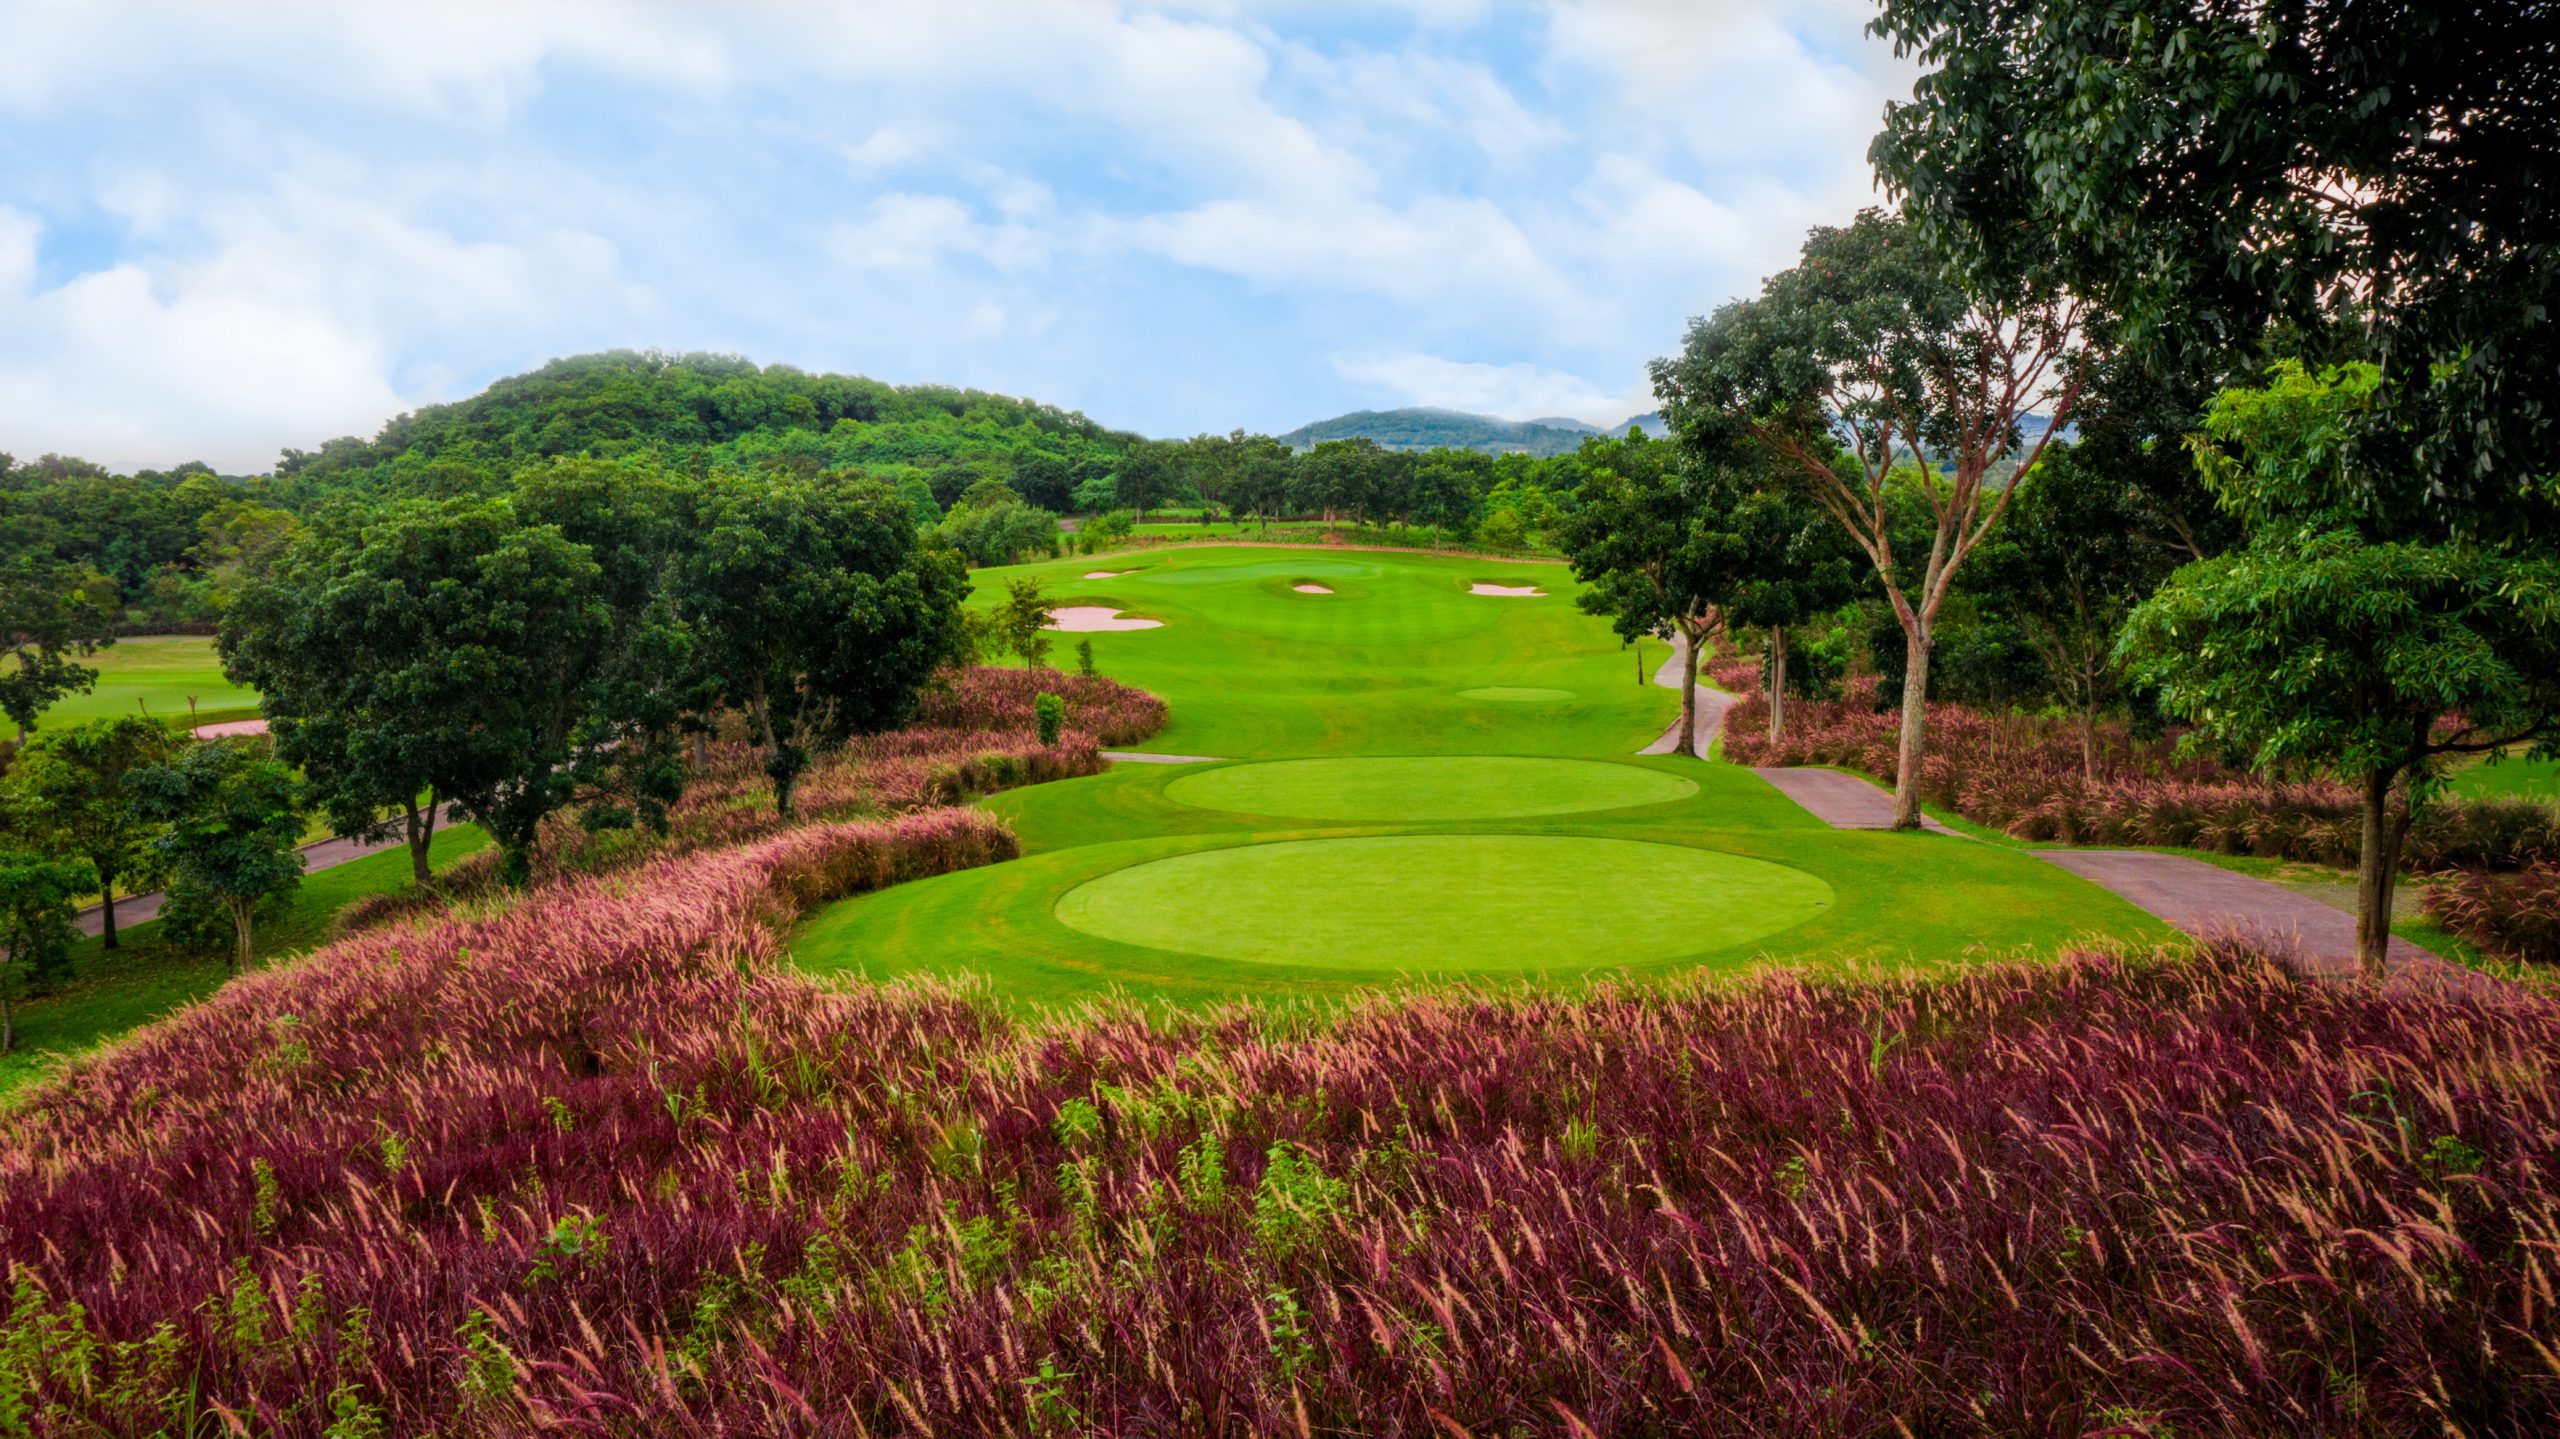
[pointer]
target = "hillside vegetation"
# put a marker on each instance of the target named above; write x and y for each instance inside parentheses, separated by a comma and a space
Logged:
(1427, 429)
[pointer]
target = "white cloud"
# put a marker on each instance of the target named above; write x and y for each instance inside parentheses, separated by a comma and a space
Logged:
(1516, 391)
(914, 232)
(424, 197)
(1437, 250)
(115, 366)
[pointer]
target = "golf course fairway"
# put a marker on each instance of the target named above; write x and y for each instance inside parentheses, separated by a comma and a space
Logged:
(1427, 788)
(1415, 782)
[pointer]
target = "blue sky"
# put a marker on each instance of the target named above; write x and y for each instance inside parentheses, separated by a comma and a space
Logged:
(228, 228)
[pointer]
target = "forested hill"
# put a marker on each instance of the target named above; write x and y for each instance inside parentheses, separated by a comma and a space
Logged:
(1426, 429)
(173, 545)
(714, 411)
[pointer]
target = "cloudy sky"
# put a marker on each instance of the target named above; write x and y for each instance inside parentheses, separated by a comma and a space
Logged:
(227, 228)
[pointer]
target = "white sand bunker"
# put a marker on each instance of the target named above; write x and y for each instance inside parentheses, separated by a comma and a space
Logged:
(231, 729)
(1105, 574)
(1509, 592)
(1094, 619)
(1307, 589)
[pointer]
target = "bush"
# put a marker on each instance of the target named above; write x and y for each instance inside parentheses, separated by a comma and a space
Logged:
(2515, 916)
(2101, 1195)
(1050, 712)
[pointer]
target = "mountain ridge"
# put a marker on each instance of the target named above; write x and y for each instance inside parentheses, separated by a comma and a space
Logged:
(1423, 427)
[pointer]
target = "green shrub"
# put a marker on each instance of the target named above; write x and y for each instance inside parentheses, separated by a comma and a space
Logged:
(1049, 712)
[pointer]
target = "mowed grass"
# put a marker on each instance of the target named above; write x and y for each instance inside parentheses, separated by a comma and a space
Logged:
(1422, 784)
(155, 675)
(1252, 668)
(2509, 777)
(1350, 902)
(1917, 900)
(112, 991)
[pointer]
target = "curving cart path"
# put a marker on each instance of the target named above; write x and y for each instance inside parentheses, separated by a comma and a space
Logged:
(1712, 703)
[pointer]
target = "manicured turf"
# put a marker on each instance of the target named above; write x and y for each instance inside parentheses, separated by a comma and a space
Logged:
(1400, 806)
(155, 674)
(1383, 665)
(2509, 778)
(1898, 899)
(1433, 904)
(1429, 788)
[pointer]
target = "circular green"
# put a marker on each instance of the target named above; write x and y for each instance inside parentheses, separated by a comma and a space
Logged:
(1426, 788)
(1515, 694)
(1490, 903)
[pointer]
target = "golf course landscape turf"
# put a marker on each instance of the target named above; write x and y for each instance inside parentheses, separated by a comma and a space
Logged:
(1414, 782)
(156, 674)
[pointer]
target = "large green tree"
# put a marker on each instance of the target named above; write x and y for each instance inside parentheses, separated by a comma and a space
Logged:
(1869, 370)
(434, 651)
(1777, 560)
(1639, 542)
(817, 610)
(232, 816)
(2335, 636)
(2071, 562)
(52, 612)
(2211, 169)
(69, 786)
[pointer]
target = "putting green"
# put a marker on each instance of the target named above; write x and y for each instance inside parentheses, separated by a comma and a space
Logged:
(1514, 694)
(1423, 788)
(1484, 903)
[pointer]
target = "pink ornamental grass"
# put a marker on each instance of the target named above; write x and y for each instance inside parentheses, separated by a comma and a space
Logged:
(2023, 775)
(602, 1164)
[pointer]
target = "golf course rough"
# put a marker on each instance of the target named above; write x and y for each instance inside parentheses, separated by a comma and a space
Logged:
(1426, 788)
(1439, 904)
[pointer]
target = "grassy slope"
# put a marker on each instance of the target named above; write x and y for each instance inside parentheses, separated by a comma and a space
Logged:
(112, 992)
(158, 672)
(1253, 670)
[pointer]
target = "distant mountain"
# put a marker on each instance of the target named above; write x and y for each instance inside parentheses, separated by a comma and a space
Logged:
(1425, 429)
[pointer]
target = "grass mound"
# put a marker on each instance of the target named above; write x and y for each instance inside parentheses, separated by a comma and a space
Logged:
(1426, 788)
(1445, 904)
(598, 1163)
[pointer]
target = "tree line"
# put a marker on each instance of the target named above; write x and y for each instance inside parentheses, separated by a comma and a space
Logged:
(2199, 373)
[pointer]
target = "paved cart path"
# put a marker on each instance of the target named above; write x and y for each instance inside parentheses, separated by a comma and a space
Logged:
(320, 854)
(1712, 703)
(2199, 899)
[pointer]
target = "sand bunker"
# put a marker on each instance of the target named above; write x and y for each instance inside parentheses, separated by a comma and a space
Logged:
(1094, 619)
(230, 729)
(1305, 589)
(1511, 592)
(1104, 574)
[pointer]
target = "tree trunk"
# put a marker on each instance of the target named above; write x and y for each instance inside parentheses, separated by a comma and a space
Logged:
(1777, 684)
(2089, 741)
(701, 751)
(2377, 872)
(422, 833)
(1915, 722)
(106, 915)
(8, 1025)
(1688, 666)
(244, 917)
